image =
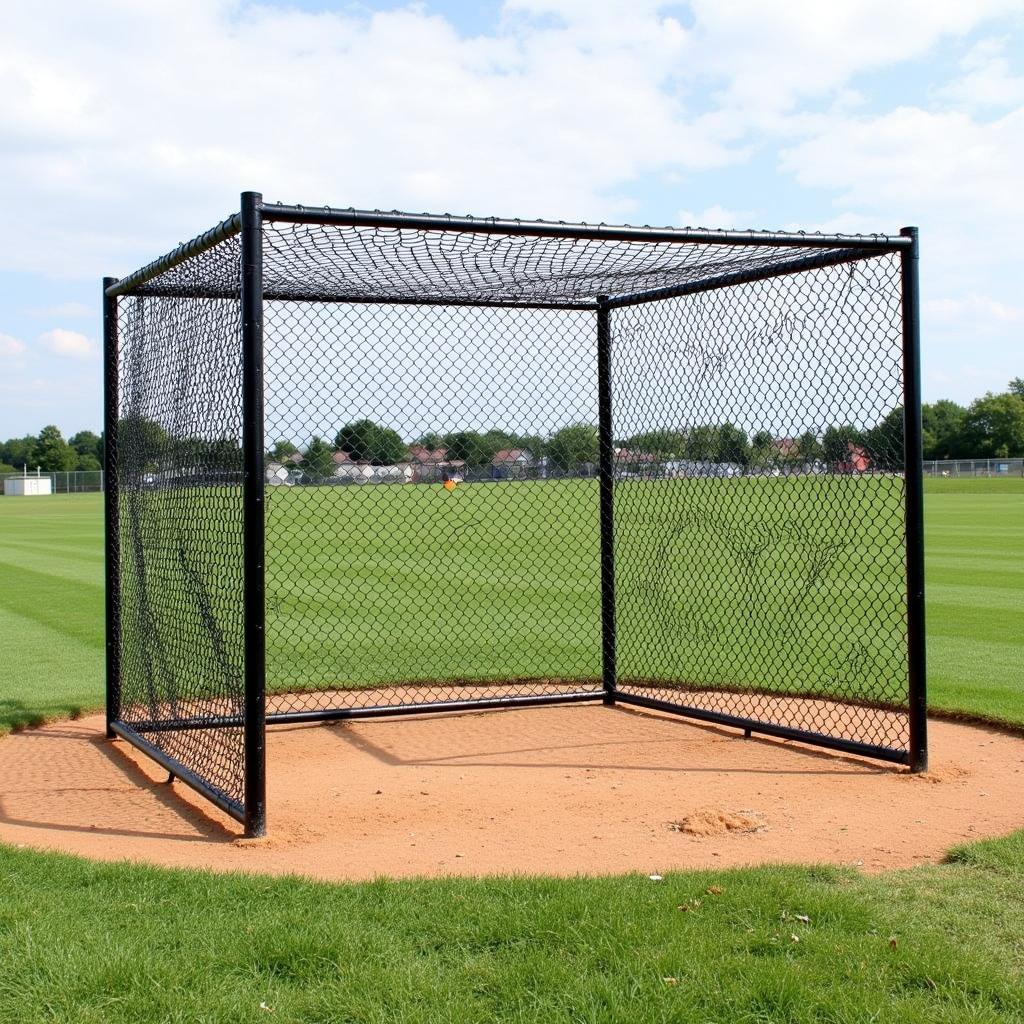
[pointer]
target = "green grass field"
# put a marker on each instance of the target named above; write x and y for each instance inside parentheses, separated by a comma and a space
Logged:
(372, 585)
(116, 943)
(513, 567)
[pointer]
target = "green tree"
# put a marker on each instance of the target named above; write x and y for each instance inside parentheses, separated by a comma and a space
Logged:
(809, 447)
(53, 454)
(88, 463)
(6, 467)
(1017, 387)
(994, 426)
(732, 445)
(942, 425)
(19, 451)
(702, 444)
(466, 446)
(884, 441)
(572, 446)
(366, 441)
(431, 440)
(318, 462)
(142, 443)
(837, 440)
(283, 450)
(536, 445)
(495, 440)
(87, 444)
(763, 449)
(662, 444)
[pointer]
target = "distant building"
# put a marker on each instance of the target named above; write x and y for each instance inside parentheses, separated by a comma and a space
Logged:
(510, 464)
(277, 474)
(432, 465)
(419, 454)
(787, 447)
(627, 463)
(857, 460)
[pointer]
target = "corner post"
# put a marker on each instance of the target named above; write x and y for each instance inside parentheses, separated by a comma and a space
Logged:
(111, 519)
(606, 462)
(252, 513)
(914, 489)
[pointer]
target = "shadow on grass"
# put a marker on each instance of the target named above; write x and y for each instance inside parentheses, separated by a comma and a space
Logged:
(16, 715)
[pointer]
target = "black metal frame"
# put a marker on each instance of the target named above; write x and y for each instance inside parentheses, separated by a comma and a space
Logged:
(837, 249)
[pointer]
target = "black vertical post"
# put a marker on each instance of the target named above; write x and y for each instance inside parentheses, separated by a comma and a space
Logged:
(252, 505)
(111, 521)
(606, 456)
(914, 487)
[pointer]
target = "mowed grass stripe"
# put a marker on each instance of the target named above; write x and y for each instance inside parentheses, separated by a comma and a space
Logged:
(51, 607)
(46, 672)
(484, 608)
(974, 532)
(120, 943)
(75, 613)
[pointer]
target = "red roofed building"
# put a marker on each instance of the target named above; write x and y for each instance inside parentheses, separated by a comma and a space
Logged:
(857, 460)
(427, 456)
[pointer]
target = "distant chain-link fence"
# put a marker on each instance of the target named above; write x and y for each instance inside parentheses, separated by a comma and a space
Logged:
(375, 464)
(82, 481)
(974, 467)
(88, 481)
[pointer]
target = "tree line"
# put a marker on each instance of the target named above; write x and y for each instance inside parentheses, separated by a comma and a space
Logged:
(990, 427)
(48, 451)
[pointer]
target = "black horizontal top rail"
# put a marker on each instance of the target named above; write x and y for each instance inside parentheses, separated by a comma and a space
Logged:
(207, 240)
(560, 229)
(271, 295)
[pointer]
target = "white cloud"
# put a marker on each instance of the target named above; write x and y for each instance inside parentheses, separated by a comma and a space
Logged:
(129, 127)
(716, 217)
(770, 55)
(69, 344)
(914, 157)
(10, 346)
(987, 80)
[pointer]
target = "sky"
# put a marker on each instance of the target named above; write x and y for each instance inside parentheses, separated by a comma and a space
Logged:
(126, 128)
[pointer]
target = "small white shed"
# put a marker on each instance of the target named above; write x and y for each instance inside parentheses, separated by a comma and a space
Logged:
(24, 486)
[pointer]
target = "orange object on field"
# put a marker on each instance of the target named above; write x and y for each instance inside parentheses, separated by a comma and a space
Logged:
(449, 485)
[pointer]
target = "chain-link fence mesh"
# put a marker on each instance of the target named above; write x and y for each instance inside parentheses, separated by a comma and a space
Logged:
(759, 510)
(179, 494)
(433, 472)
(384, 585)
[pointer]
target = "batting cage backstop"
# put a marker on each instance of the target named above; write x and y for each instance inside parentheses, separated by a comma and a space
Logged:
(365, 463)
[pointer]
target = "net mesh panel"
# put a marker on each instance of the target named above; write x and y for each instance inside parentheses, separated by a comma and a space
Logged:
(760, 511)
(180, 509)
(323, 261)
(384, 586)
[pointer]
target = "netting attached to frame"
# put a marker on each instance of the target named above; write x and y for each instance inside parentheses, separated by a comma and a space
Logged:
(434, 469)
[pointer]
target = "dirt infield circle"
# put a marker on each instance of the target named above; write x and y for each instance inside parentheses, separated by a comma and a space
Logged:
(548, 790)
